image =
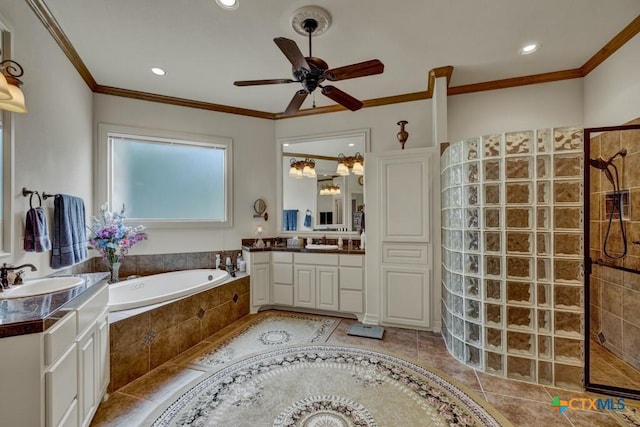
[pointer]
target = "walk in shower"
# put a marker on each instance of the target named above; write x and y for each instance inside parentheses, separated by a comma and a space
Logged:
(613, 273)
(513, 262)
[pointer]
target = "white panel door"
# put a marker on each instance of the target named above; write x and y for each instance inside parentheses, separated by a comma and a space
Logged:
(327, 288)
(304, 286)
(260, 284)
(406, 293)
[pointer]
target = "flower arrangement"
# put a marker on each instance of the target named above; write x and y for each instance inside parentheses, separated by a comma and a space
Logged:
(111, 237)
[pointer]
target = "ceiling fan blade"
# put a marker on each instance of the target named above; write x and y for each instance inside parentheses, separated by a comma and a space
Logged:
(296, 102)
(342, 98)
(262, 82)
(361, 69)
(292, 52)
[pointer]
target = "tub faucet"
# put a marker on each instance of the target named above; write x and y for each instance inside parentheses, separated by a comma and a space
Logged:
(4, 273)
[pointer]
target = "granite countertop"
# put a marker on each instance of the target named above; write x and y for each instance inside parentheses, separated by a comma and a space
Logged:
(33, 314)
(343, 251)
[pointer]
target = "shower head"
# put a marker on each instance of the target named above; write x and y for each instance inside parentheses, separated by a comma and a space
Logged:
(599, 163)
(621, 153)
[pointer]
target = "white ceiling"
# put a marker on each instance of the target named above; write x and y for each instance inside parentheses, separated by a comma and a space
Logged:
(204, 48)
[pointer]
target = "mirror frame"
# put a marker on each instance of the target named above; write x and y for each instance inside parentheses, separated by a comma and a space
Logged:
(8, 229)
(365, 133)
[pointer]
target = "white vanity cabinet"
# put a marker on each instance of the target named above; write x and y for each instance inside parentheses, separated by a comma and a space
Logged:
(282, 264)
(316, 281)
(258, 266)
(351, 283)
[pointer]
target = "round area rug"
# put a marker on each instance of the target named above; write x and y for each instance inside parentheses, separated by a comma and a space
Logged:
(326, 386)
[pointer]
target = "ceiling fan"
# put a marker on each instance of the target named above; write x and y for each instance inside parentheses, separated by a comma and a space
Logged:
(312, 71)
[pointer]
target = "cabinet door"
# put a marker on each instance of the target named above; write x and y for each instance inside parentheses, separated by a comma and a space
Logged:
(327, 288)
(102, 350)
(61, 386)
(351, 278)
(260, 281)
(405, 295)
(87, 366)
(304, 286)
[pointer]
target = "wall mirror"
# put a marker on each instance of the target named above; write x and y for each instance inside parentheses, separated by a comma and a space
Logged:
(6, 156)
(322, 201)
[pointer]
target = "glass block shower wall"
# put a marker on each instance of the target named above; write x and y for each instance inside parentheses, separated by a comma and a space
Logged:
(512, 270)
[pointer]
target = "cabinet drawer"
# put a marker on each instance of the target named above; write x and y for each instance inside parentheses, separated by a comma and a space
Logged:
(316, 259)
(61, 385)
(260, 257)
(282, 294)
(352, 260)
(283, 273)
(351, 278)
(351, 301)
(282, 257)
(59, 337)
(91, 309)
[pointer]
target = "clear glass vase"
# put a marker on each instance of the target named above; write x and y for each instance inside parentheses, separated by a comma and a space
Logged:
(114, 269)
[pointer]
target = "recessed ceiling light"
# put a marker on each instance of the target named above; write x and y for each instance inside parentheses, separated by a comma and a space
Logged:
(352, 145)
(285, 145)
(158, 71)
(228, 4)
(530, 48)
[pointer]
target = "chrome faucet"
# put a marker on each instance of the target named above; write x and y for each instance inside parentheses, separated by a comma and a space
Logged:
(4, 273)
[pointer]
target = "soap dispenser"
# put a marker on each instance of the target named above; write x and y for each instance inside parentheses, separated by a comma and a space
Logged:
(363, 239)
(242, 264)
(217, 261)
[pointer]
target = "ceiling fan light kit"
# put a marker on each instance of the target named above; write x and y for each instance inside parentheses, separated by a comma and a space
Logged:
(312, 71)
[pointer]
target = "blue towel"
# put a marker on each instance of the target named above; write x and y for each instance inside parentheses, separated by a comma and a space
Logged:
(36, 233)
(69, 231)
(290, 220)
(307, 219)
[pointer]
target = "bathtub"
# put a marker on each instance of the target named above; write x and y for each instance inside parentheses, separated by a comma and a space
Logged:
(162, 287)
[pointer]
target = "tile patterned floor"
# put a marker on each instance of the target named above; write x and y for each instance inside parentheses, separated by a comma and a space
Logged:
(522, 403)
(608, 369)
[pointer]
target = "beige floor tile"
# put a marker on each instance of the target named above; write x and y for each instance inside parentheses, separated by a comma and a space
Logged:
(161, 383)
(122, 410)
(511, 388)
(527, 413)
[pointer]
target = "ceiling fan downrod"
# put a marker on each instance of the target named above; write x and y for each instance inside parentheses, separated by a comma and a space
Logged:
(310, 26)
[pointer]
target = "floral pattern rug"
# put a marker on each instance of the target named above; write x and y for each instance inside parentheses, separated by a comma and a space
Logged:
(324, 386)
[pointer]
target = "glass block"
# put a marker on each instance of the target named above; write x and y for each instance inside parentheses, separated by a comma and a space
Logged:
(567, 244)
(567, 297)
(544, 347)
(455, 196)
(473, 333)
(543, 218)
(472, 218)
(520, 343)
(445, 159)
(518, 168)
(492, 241)
(519, 243)
(543, 167)
(543, 243)
(544, 295)
(519, 267)
(544, 321)
(567, 350)
(472, 172)
(473, 357)
(520, 293)
(569, 165)
(445, 178)
(567, 376)
(520, 318)
(455, 175)
(471, 241)
(491, 170)
(456, 261)
(493, 363)
(455, 218)
(520, 368)
(455, 150)
(458, 327)
(543, 269)
(493, 289)
(472, 264)
(543, 192)
(493, 314)
(471, 195)
(492, 217)
(456, 283)
(569, 218)
(471, 148)
(519, 217)
(493, 338)
(567, 139)
(568, 323)
(518, 142)
(456, 240)
(492, 194)
(472, 286)
(519, 193)
(491, 145)
(472, 309)
(543, 138)
(567, 192)
(545, 373)
(568, 269)
(446, 258)
(493, 265)
(457, 304)
(458, 349)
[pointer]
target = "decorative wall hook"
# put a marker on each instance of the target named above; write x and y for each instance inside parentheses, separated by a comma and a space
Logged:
(403, 135)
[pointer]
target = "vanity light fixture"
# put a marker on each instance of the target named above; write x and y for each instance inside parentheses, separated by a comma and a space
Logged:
(11, 97)
(302, 168)
(228, 4)
(330, 190)
(355, 163)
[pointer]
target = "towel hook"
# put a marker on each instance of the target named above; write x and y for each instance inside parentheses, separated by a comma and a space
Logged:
(31, 199)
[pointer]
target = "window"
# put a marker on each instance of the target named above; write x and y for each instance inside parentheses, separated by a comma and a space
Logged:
(165, 178)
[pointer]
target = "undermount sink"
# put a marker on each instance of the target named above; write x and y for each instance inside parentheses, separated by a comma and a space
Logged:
(41, 286)
(323, 247)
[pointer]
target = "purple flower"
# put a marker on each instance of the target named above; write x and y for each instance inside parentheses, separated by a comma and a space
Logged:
(112, 238)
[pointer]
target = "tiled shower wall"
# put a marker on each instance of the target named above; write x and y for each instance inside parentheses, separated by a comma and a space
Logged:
(512, 269)
(614, 294)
